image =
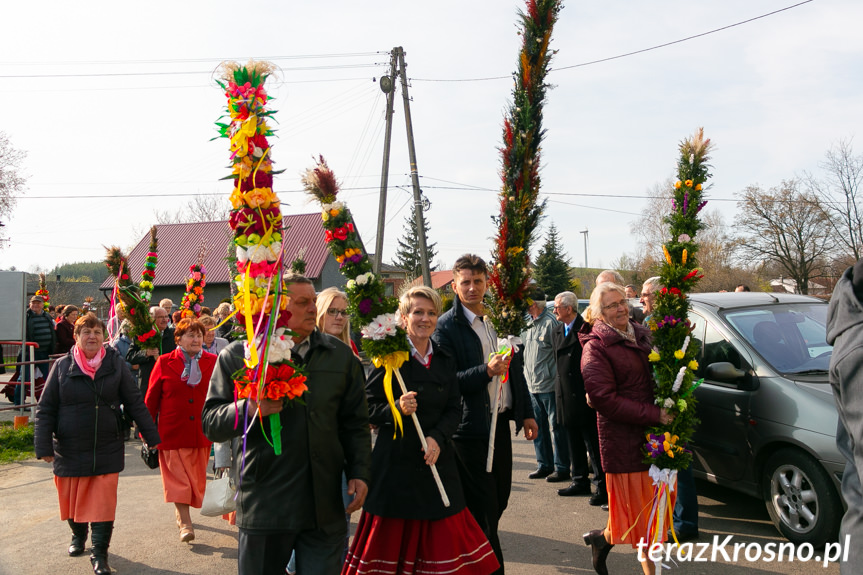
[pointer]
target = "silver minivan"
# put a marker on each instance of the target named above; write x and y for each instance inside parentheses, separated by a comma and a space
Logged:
(768, 418)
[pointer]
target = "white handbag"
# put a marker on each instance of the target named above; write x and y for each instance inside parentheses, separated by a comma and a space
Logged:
(219, 497)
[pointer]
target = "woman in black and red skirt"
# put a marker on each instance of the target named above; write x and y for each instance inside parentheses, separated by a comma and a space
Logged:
(405, 527)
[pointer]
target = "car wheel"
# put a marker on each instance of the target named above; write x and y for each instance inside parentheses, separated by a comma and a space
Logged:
(800, 498)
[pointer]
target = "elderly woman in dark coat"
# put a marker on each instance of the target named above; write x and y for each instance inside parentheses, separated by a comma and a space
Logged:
(79, 430)
(405, 527)
(619, 384)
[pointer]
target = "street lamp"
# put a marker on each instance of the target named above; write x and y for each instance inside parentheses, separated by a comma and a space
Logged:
(584, 231)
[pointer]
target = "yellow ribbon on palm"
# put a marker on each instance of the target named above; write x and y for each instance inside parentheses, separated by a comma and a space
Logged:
(250, 328)
(240, 140)
(392, 362)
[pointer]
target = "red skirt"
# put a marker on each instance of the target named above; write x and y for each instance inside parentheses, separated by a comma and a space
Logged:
(184, 474)
(388, 545)
(88, 499)
(630, 497)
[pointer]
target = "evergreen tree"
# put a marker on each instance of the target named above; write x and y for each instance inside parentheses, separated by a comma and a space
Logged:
(552, 266)
(408, 255)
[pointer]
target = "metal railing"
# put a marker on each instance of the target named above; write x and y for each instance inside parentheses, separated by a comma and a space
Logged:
(9, 351)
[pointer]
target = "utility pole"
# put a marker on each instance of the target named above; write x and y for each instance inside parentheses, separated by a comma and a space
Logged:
(418, 204)
(584, 231)
(387, 84)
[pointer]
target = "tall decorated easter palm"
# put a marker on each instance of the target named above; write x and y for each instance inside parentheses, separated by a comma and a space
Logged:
(259, 295)
(520, 208)
(674, 352)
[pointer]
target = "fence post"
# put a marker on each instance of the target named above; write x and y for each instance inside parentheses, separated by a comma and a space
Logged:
(32, 383)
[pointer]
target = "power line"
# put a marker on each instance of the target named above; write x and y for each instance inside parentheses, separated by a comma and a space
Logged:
(185, 72)
(656, 47)
(190, 60)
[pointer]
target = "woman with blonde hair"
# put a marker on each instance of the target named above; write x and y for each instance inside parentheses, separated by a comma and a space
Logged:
(619, 385)
(333, 316)
(405, 527)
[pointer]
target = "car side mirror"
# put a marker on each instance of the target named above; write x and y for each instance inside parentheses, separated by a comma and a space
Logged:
(724, 371)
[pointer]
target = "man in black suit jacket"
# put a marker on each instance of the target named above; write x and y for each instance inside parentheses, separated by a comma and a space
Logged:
(573, 413)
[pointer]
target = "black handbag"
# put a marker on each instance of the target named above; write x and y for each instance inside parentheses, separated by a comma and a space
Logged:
(150, 456)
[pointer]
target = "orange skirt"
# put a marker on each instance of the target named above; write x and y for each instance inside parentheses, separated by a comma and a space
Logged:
(184, 474)
(630, 498)
(89, 499)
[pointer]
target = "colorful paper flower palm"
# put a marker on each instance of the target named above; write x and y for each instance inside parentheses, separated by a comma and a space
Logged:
(371, 311)
(674, 353)
(135, 299)
(256, 220)
(43, 291)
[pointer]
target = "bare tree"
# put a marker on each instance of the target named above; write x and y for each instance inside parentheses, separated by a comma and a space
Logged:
(12, 183)
(841, 195)
(201, 208)
(784, 226)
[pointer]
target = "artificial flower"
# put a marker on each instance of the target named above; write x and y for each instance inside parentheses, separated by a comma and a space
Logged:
(653, 356)
(677, 184)
(679, 354)
(688, 183)
(693, 365)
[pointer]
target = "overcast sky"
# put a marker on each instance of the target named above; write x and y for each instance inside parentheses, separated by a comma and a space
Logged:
(117, 113)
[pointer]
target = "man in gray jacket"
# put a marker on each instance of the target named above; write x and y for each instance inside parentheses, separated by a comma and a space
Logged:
(540, 371)
(845, 333)
(293, 501)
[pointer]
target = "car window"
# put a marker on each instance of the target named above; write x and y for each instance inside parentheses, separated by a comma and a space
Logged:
(790, 337)
(715, 347)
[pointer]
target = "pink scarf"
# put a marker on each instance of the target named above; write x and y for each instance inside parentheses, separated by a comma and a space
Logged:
(88, 366)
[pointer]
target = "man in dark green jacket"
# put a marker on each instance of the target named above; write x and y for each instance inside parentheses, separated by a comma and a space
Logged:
(293, 501)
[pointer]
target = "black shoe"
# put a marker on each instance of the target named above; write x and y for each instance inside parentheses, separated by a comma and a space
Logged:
(558, 477)
(598, 498)
(604, 507)
(79, 538)
(599, 550)
(539, 474)
(101, 539)
(574, 489)
(682, 536)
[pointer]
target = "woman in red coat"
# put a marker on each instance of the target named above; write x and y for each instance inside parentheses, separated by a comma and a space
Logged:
(619, 384)
(175, 398)
(65, 329)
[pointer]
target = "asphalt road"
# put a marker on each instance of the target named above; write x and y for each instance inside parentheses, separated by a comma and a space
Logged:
(540, 532)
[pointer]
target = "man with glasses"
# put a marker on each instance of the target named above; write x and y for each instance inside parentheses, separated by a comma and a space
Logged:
(573, 413)
(648, 296)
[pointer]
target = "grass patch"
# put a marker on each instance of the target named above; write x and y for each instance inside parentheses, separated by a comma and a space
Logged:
(15, 444)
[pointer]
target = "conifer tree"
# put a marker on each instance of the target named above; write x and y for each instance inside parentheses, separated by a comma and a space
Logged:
(408, 256)
(552, 266)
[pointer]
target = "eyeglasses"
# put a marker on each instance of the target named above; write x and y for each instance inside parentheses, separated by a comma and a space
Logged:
(561, 306)
(337, 312)
(619, 303)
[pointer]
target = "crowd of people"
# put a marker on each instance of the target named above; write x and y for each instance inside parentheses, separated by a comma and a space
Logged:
(579, 387)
